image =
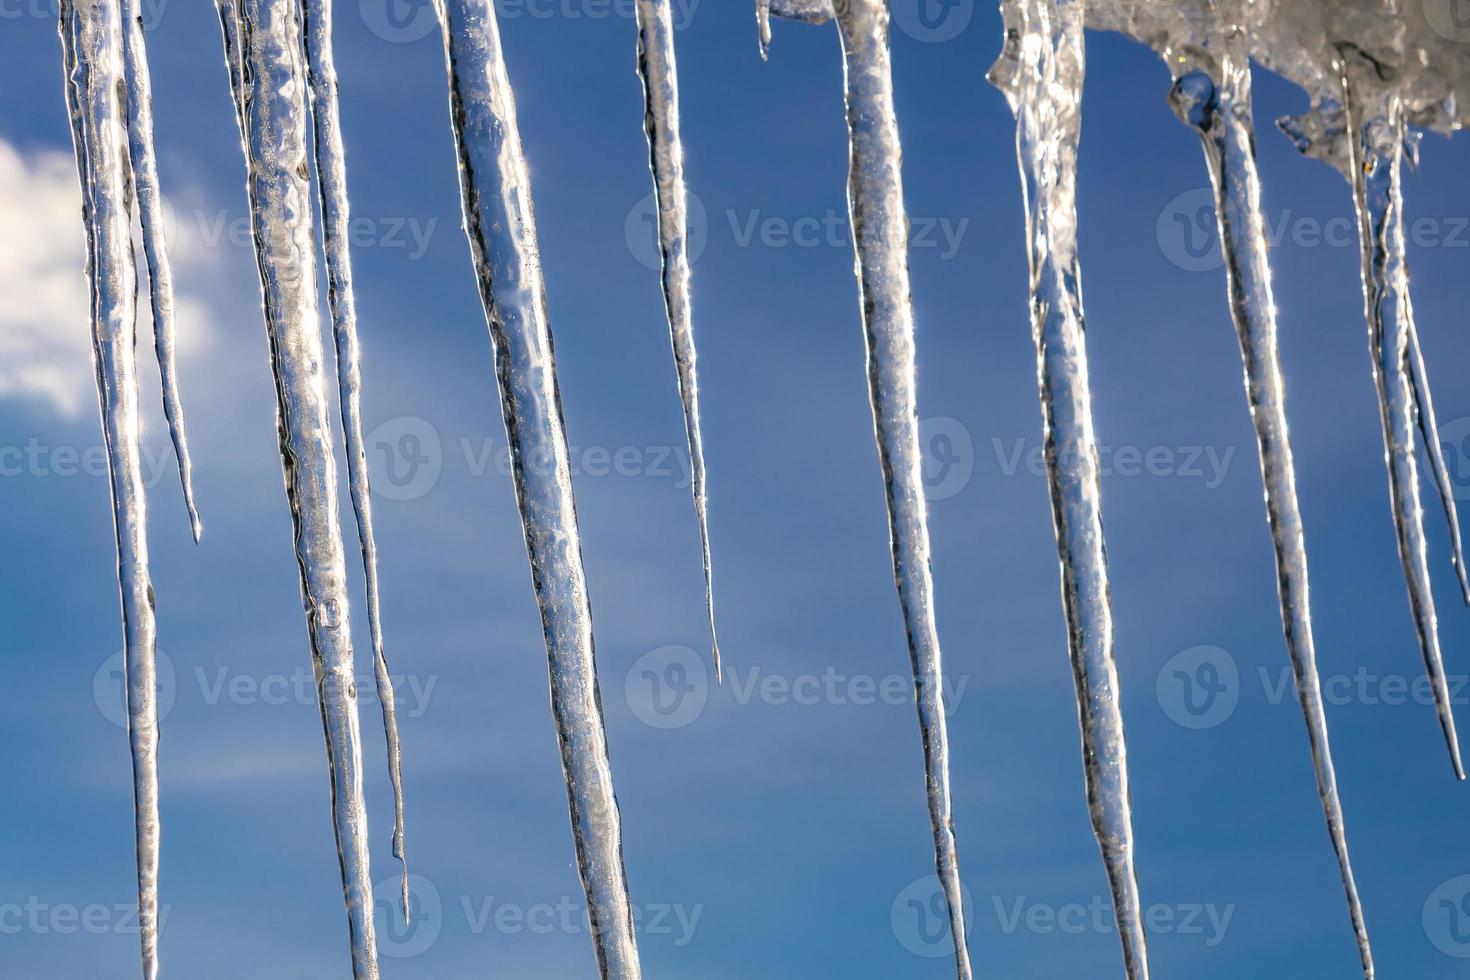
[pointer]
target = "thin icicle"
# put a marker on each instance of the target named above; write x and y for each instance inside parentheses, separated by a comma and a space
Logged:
(880, 232)
(1215, 100)
(281, 215)
(1041, 72)
(331, 170)
(155, 249)
(1429, 429)
(1377, 163)
(229, 25)
(501, 226)
(92, 47)
(658, 69)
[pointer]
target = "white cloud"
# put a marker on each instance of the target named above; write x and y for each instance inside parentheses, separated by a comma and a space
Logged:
(45, 336)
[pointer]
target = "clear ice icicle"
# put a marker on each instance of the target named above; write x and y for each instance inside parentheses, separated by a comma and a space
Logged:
(155, 249)
(500, 223)
(1376, 120)
(92, 50)
(229, 25)
(658, 69)
(1429, 429)
(331, 169)
(1041, 71)
(1215, 100)
(279, 187)
(880, 233)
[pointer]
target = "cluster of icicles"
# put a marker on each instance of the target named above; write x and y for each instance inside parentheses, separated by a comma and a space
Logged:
(1371, 69)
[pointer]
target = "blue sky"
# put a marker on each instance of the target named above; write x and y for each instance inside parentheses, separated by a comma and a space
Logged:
(775, 827)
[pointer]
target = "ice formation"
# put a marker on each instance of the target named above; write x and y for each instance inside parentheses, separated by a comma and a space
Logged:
(658, 69)
(1372, 69)
(1040, 71)
(880, 235)
(500, 222)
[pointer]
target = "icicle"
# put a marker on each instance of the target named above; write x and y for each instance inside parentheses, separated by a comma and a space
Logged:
(331, 169)
(280, 200)
(150, 208)
(1214, 98)
(92, 46)
(501, 226)
(880, 231)
(1429, 429)
(1041, 72)
(658, 69)
(1377, 122)
(229, 25)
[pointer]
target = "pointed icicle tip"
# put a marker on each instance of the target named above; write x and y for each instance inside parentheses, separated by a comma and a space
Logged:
(805, 11)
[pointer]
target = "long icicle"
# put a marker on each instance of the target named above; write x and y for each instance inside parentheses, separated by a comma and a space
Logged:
(1041, 73)
(155, 248)
(1377, 146)
(229, 25)
(658, 69)
(1216, 102)
(92, 48)
(331, 170)
(1429, 429)
(880, 236)
(500, 223)
(281, 214)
